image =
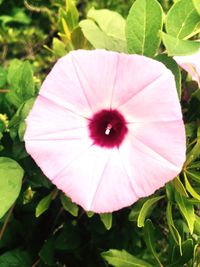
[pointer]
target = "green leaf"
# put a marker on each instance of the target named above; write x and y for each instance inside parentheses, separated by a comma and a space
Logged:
(14, 258)
(3, 77)
(174, 232)
(177, 47)
(171, 64)
(146, 209)
(179, 187)
(22, 84)
(122, 258)
(43, 205)
(105, 29)
(18, 16)
(149, 237)
(106, 219)
(11, 175)
(190, 189)
(196, 4)
(58, 48)
(187, 210)
(182, 19)
(187, 248)
(195, 175)
(143, 24)
(67, 204)
(47, 252)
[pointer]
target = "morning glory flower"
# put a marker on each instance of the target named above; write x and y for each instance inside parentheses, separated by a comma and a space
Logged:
(107, 128)
(191, 64)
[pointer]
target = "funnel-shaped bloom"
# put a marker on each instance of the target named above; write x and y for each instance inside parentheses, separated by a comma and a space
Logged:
(107, 128)
(191, 64)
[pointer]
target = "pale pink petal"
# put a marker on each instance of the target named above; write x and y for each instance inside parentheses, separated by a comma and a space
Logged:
(81, 81)
(156, 102)
(97, 181)
(53, 155)
(191, 64)
(134, 74)
(149, 165)
(48, 120)
(97, 72)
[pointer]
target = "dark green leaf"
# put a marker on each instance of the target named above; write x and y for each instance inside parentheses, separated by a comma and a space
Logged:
(15, 258)
(171, 64)
(149, 237)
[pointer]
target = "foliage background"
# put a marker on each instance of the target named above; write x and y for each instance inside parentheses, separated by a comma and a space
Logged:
(39, 226)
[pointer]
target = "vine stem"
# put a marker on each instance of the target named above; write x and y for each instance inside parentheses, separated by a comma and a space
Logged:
(4, 90)
(6, 221)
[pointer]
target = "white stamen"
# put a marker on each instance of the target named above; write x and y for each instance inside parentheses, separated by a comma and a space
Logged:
(108, 129)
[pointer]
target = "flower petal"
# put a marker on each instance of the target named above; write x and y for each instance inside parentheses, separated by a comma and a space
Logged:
(156, 102)
(48, 120)
(134, 74)
(148, 164)
(97, 181)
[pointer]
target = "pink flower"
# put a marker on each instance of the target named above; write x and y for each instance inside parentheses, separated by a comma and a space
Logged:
(191, 64)
(107, 128)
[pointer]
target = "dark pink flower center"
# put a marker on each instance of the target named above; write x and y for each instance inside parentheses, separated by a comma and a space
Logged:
(107, 128)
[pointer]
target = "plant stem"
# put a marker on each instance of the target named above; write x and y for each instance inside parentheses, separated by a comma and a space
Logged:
(6, 221)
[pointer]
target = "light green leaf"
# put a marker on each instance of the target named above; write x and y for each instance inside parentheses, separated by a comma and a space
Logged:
(179, 187)
(68, 205)
(171, 64)
(105, 29)
(149, 237)
(144, 22)
(190, 189)
(22, 84)
(187, 210)
(122, 258)
(11, 175)
(174, 232)
(3, 76)
(177, 47)
(58, 48)
(106, 219)
(43, 205)
(182, 19)
(146, 209)
(196, 4)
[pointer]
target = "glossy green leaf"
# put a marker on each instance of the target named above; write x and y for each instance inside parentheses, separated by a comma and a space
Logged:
(186, 209)
(173, 230)
(196, 4)
(105, 29)
(177, 47)
(190, 189)
(171, 64)
(43, 205)
(182, 19)
(144, 22)
(11, 175)
(68, 205)
(146, 209)
(122, 258)
(149, 237)
(106, 219)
